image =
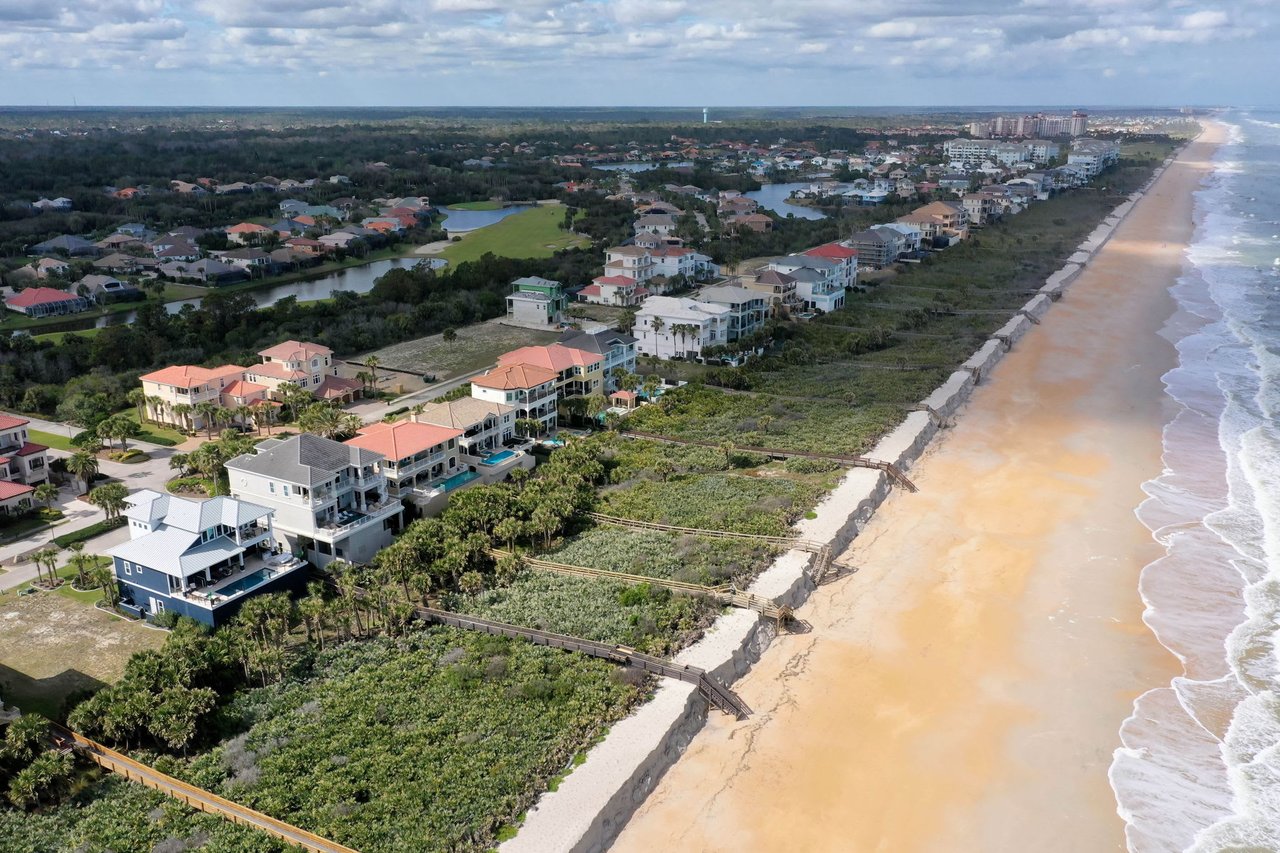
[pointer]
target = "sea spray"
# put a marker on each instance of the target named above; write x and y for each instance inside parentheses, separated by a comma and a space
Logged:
(1199, 768)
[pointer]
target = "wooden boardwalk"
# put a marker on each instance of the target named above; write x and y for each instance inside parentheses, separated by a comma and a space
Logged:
(196, 798)
(852, 461)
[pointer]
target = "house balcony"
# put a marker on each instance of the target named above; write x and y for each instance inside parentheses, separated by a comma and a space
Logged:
(347, 520)
(233, 582)
(417, 466)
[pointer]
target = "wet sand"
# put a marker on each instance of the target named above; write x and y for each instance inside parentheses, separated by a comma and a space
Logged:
(964, 690)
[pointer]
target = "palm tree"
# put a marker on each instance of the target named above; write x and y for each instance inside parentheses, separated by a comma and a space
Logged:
(139, 399)
(365, 378)
(372, 363)
(111, 499)
(183, 412)
(102, 576)
(267, 414)
(179, 462)
(47, 558)
(652, 383)
(79, 559)
(596, 406)
(224, 417)
(83, 465)
(46, 493)
(207, 412)
(158, 407)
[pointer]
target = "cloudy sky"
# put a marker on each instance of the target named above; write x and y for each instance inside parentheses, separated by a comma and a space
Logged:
(637, 52)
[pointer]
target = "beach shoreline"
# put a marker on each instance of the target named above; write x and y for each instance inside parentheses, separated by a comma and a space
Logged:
(964, 691)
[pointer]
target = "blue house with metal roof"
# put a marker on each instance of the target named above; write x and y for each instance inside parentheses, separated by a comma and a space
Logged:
(200, 559)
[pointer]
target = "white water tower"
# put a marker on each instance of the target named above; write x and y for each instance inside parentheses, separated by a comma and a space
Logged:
(704, 115)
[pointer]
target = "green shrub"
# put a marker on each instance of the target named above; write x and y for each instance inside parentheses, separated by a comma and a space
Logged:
(802, 465)
(89, 532)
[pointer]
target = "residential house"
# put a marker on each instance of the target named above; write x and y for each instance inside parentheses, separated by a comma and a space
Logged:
(779, 288)
(822, 278)
(253, 261)
(188, 385)
(105, 288)
(674, 327)
(632, 262)
(618, 349)
(208, 271)
(421, 461)
(657, 223)
(529, 389)
(52, 268)
(747, 312)
(939, 220)
(536, 301)
(21, 460)
(485, 425)
(247, 233)
(651, 240)
(46, 302)
(617, 290)
(200, 559)
(59, 203)
(979, 208)
(579, 373)
(672, 261)
(307, 365)
(68, 244)
(125, 264)
(757, 222)
(330, 499)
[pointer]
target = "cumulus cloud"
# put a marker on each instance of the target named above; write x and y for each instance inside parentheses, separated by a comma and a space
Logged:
(677, 43)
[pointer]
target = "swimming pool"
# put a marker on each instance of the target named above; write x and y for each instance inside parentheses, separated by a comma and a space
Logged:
(459, 479)
(497, 458)
(249, 581)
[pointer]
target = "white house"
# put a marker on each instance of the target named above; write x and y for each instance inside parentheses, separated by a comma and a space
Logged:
(330, 500)
(672, 327)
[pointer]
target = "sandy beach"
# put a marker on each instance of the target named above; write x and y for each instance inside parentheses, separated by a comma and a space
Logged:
(964, 690)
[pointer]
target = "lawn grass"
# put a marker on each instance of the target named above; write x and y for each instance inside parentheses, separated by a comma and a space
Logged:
(68, 573)
(533, 233)
(154, 433)
(51, 439)
(476, 347)
(11, 531)
(53, 645)
(477, 205)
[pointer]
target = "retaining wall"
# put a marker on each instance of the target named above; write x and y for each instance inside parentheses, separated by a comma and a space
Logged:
(981, 362)
(1011, 332)
(1038, 306)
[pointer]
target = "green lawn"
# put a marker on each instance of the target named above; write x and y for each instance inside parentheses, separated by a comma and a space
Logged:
(477, 205)
(533, 233)
(51, 439)
(89, 596)
(151, 431)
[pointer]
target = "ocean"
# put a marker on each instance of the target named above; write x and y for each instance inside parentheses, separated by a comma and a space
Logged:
(1199, 765)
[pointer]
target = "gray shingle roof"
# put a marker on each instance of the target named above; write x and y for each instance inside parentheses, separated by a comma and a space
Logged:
(306, 459)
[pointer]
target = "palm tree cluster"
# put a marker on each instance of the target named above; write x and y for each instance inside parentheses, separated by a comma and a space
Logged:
(329, 421)
(118, 428)
(209, 459)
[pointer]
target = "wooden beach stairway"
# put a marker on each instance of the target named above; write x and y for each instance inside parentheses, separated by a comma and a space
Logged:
(775, 453)
(196, 798)
(711, 689)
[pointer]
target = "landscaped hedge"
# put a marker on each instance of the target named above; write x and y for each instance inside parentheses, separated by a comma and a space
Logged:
(89, 532)
(152, 438)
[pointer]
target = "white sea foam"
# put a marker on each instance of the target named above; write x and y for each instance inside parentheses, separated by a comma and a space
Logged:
(1199, 768)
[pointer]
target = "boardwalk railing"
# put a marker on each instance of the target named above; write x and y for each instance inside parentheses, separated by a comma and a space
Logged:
(196, 798)
(852, 461)
(715, 692)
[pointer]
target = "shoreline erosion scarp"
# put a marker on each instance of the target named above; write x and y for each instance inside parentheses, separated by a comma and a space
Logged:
(964, 691)
(595, 801)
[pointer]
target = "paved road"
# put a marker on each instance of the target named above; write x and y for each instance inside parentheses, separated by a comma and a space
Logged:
(151, 474)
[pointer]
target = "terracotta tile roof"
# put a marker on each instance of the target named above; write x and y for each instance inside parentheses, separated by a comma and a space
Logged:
(186, 375)
(29, 448)
(276, 370)
(248, 228)
(515, 376)
(295, 351)
(832, 250)
(10, 422)
(240, 388)
(555, 357)
(39, 296)
(615, 280)
(338, 386)
(402, 439)
(10, 490)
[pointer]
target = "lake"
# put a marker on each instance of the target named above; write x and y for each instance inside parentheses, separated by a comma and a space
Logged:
(458, 221)
(775, 197)
(637, 167)
(356, 279)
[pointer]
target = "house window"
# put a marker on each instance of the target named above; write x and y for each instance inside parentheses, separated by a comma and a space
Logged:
(159, 605)
(128, 570)
(271, 487)
(286, 490)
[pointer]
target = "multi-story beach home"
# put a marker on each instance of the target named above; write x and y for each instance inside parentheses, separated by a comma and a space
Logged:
(200, 559)
(672, 261)
(579, 373)
(631, 262)
(419, 458)
(536, 301)
(616, 290)
(747, 309)
(618, 349)
(939, 220)
(310, 366)
(485, 425)
(672, 327)
(330, 499)
(529, 389)
(21, 460)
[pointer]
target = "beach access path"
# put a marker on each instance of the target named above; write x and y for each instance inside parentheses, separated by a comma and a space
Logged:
(965, 689)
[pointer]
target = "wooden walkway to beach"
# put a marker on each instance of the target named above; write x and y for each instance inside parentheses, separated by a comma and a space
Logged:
(196, 798)
(852, 461)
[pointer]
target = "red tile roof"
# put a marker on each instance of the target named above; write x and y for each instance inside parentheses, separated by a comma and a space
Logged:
(186, 375)
(10, 489)
(615, 280)
(39, 296)
(295, 351)
(555, 357)
(402, 439)
(10, 422)
(31, 447)
(832, 250)
(240, 388)
(515, 376)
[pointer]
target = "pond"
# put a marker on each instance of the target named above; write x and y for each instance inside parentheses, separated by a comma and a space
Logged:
(457, 221)
(775, 197)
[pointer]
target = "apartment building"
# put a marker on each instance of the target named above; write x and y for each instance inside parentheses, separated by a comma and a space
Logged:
(330, 499)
